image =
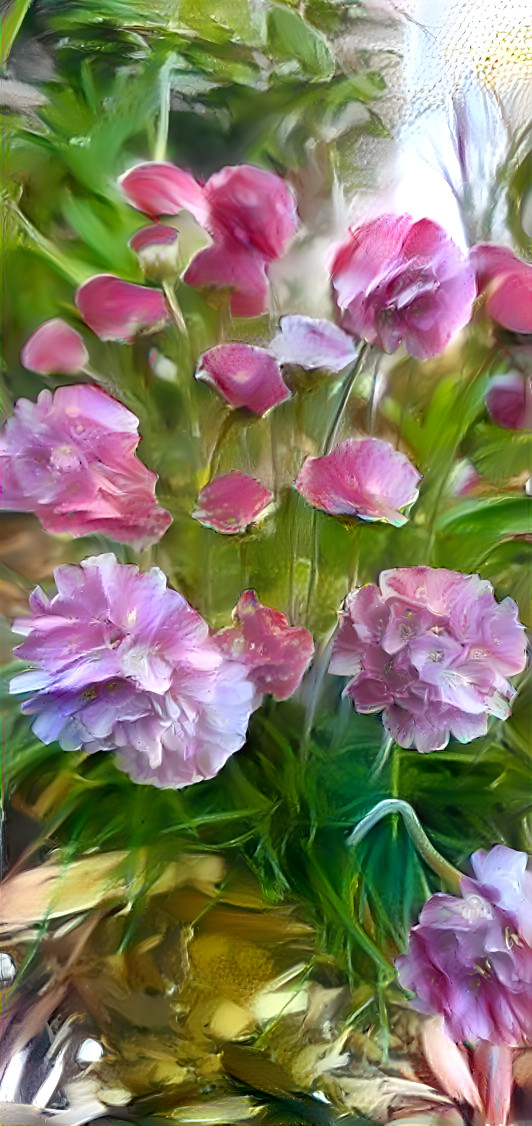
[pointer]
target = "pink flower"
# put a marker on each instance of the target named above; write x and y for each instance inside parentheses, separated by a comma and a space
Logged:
(122, 663)
(509, 401)
(312, 343)
(54, 349)
(431, 649)
(507, 283)
(470, 960)
(275, 653)
(231, 502)
(118, 310)
(244, 375)
(361, 477)
(396, 281)
(156, 250)
(249, 213)
(70, 458)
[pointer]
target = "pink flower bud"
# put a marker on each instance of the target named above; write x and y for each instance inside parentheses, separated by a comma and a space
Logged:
(118, 310)
(274, 653)
(244, 375)
(507, 283)
(54, 349)
(363, 477)
(159, 188)
(231, 503)
(157, 251)
(509, 401)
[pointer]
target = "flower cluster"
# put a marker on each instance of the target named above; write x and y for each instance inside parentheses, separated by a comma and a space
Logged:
(470, 958)
(70, 458)
(431, 649)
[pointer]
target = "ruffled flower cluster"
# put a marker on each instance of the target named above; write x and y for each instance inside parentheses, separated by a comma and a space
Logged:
(431, 649)
(470, 958)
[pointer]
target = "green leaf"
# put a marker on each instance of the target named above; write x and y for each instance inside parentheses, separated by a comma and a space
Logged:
(503, 516)
(11, 23)
(291, 37)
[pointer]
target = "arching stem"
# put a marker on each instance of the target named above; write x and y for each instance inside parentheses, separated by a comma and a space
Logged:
(447, 872)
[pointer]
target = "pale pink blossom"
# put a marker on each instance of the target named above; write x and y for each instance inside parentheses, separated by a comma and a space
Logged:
(70, 458)
(55, 348)
(396, 281)
(231, 503)
(118, 310)
(312, 343)
(275, 653)
(362, 477)
(246, 376)
(509, 401)
(121, 663)
(432, 650)
(157, 251)
(506, 282)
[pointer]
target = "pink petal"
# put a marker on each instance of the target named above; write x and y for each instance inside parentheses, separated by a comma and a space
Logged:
(157, 251)
(509, 401)
(54, 348)
(157, 234)
(490, 261)
(226, 266)
(275, 653)
(246, 376)
(159, 188)
(493, 1071)
(361, 477)
(509, 299)
(252, 208)
(118, 310)
(231, 502)
(449, 1064)
(312, 343)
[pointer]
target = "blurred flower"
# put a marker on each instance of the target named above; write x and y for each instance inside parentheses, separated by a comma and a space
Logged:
(156, 250)
(509, 401)
(275, 653)
(246, 376)
(362, 477)
(118, 310)
(231, 502)
(463, 478)
(430, 648)
(469, 958)
(396, 281)
(54, 349)
(506, 282)
(249, 213)
(122, 663)
(70, 458)
(312, 343)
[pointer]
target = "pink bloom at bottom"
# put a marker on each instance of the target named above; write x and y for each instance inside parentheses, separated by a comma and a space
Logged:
(275, 653)
(230, 503)
(121, 663)
(431, 649)
(362, 477)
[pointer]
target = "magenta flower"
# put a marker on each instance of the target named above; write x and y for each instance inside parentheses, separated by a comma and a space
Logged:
(54, 349)
(249, 213)
(275, 653)
(507, 283)
(156, 250)
(396, 281)
(470, 960)
(118, 310)
(431, 649)
(122, 663)
(246, 376)
(231, 503)
(509, 401)
(312, 343)
(70, 458)
(362, 477)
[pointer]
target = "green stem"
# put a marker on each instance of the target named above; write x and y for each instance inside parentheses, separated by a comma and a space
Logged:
(74, 274)
(348, 385)
(180, 324)
(159, 152)
(447, 872)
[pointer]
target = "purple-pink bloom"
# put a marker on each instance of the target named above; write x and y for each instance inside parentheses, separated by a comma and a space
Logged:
(362, 477)
(54, 349)
(231, 503)
(396, 281)
(431, 649)
(312, 343)
(156, 250)
(509, 401)
(70, 458)
(118, 310)
(506, 282)
(245, 375)
(470, 958)
(249, 213)
(121, 663)
(275, 653)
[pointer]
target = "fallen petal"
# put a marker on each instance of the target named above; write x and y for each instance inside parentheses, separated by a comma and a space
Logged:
(231, 502)
(118, 310)
(54, 348)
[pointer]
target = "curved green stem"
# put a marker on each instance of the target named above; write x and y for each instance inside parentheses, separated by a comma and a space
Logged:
(346, 391)
(448, 873)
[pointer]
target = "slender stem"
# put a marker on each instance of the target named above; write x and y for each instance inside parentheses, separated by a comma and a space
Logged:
(164, 113)
(346, 391)
(180, 324)
(65, 265)
(447, 872)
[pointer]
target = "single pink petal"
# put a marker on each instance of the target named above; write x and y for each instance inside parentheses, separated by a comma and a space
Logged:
(160, 188)
(275, 653)
(246, 376)
(227, 266)
(54, 348)
(493, 1071)
(252, 208)
(509, 401)
(312, 343)
(361, 477)
(118, 310)
(231, 502)
(449, 1063)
